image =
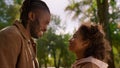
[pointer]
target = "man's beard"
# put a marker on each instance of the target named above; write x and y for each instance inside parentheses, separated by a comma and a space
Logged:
(33, 28)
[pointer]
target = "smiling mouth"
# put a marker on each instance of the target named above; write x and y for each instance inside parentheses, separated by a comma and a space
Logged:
(41, 32)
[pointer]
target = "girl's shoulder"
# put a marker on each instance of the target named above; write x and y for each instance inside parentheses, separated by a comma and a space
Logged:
(89, 65)
(90, 62)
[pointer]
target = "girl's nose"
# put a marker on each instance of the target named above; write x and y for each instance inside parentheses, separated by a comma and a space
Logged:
(70, 40)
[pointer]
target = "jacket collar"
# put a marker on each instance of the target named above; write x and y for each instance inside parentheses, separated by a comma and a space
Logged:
(22, 30)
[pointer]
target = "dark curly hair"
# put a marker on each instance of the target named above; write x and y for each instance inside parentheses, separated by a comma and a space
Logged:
(31, 5)
(98, 46)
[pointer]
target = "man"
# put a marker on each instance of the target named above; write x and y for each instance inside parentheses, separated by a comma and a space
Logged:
(17, 48)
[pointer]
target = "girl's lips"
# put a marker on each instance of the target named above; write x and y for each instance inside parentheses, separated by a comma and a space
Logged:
(70, 44)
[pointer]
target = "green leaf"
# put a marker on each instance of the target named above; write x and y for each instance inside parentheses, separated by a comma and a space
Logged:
(101, 1)
(18, 1)
(115, 51)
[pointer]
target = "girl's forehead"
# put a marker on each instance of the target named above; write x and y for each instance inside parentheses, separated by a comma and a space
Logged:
(77, 33)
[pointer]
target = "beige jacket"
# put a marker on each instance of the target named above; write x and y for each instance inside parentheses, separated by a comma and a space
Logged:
(17, 50)
(89, 62)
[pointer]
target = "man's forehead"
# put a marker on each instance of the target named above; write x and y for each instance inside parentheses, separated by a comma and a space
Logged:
(41, 13)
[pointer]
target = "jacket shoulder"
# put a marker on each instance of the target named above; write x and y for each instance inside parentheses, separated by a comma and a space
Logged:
(9, 36)
(8, 29)
(10, 47)
(89, 65)
(10, 32)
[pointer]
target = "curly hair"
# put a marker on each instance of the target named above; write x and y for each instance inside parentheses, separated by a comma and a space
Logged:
(98, 46)
(31, 5)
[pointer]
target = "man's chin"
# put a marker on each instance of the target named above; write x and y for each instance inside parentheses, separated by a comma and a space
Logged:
(36, 37)
(40, 36)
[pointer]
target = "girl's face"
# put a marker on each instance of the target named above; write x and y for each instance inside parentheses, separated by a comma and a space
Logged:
(76, 44)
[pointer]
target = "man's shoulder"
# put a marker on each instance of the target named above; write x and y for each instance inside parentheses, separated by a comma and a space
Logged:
(9, 32)
(10, 40)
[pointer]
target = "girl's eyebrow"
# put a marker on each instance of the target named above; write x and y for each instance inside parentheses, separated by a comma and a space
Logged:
(75, 35)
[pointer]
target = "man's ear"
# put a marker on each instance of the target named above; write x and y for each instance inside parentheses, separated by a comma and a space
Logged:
(31, 16)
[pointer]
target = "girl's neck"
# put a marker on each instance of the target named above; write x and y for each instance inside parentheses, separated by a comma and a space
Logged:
(80, 55)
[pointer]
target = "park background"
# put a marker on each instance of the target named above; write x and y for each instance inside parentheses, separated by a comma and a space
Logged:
(66, 17)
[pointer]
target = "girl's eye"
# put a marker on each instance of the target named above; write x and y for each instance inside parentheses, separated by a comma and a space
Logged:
(74, 36)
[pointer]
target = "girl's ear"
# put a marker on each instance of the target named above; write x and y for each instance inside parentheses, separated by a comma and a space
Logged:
(31, 16)
(85, 43)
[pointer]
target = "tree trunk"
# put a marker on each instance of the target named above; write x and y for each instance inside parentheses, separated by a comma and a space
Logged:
(103, 17)
(59, 59)
(55, 60)
(45, 62)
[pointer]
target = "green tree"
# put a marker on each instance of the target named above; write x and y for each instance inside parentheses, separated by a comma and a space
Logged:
(115, 34)
(8, 13)
(54, 47)
(104, 20)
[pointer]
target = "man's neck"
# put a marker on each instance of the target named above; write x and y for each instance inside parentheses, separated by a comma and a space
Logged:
(28, 31)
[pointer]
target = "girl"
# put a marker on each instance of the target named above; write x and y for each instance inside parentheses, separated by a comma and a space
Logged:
(90, 46)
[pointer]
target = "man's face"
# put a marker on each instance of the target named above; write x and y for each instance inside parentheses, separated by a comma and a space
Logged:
(39, 24)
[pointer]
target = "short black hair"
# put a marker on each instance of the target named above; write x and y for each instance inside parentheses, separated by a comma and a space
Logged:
(31, 5)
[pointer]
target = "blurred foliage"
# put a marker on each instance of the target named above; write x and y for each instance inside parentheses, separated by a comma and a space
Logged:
(55, 46)
(8, 13)
(115, 34)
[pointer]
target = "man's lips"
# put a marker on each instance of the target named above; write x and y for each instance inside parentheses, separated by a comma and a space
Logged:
(41, 32)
